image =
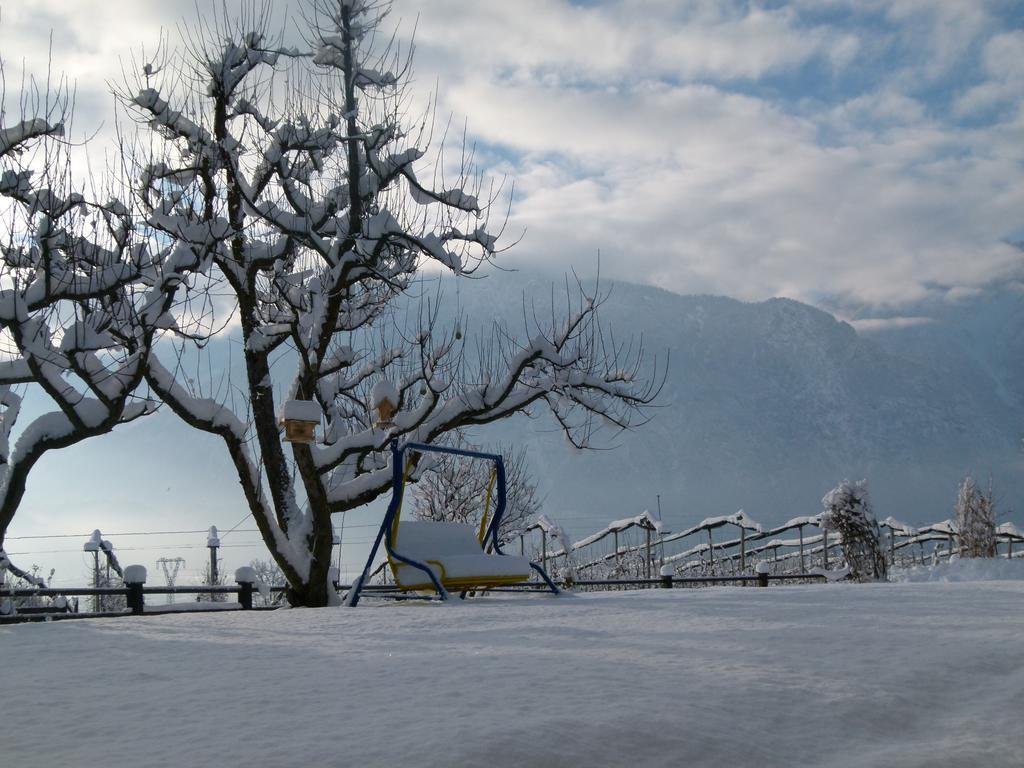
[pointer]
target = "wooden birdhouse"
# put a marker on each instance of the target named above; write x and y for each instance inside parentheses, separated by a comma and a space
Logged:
(384, 400)
(299, 418)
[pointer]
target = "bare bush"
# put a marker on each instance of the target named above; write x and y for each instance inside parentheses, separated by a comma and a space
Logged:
(976, 520)
(848, 512)
(456, 489)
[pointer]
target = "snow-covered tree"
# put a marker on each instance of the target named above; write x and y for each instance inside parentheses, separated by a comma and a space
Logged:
(296, 174)
(83, 294)
(455, 489)
(848, 512)
(268, 574)
(976, 520)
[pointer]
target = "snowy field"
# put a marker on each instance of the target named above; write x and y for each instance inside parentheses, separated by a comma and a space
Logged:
(907, 674)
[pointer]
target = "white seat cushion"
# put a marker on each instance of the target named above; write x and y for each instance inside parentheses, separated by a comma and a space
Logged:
(456, 548)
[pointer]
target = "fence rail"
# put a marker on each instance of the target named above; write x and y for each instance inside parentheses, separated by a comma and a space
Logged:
(135, 594)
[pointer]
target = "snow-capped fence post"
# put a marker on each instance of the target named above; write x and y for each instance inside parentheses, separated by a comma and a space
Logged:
(824, 547)
(135, 580)
(246, 579)
(762, 569)
(666, 576)
(743, 548)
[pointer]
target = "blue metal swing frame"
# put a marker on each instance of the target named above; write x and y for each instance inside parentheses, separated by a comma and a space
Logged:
(398, 455)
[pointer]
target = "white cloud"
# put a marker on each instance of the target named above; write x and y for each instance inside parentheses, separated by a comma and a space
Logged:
(641, 130)
(530, 39)
(1004, 63)
(887, 323)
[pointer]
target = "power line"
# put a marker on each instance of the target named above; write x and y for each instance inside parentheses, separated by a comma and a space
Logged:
(174, 546)
(153, 533)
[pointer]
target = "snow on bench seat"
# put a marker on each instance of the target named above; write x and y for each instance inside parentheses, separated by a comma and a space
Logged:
(452, 551)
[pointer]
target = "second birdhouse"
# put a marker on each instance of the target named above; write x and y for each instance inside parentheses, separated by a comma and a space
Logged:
(300, 418)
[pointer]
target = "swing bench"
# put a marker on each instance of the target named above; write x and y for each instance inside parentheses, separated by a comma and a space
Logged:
(445, 557)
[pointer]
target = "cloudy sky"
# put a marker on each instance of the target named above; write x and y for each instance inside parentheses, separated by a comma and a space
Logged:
(861, 155)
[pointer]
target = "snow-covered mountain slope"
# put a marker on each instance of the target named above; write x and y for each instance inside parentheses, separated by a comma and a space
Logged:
(767, 405)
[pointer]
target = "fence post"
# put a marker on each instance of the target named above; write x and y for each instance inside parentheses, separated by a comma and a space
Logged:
(647, 555)
(762, 569)
(134, 580)
(543, 549)
(666, 576)
(245, 577)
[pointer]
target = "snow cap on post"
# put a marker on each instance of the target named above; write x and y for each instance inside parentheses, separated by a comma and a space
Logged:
(212, 538)
(246, 575)
(135, 574)
(94, 543)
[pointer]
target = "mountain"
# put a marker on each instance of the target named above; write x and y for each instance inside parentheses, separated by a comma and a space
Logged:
(766, 406)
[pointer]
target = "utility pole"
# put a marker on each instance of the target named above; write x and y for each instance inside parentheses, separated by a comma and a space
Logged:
(213, 542)
(338, 539)
(170, 566)
(93, 545)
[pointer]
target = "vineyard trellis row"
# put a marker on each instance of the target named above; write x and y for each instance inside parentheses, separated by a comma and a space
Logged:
(636, 547)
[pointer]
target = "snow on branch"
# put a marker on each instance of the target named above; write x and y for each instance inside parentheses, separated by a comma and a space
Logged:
(84, 299)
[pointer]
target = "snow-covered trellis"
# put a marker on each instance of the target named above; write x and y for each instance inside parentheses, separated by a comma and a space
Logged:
(631, 559)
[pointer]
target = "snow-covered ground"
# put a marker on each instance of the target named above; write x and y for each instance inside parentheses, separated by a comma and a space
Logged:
(964, 569)
(909, 674)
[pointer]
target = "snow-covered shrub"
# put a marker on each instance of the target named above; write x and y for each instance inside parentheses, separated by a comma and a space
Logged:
(268, 575)
(976, 520)
(848, 512)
